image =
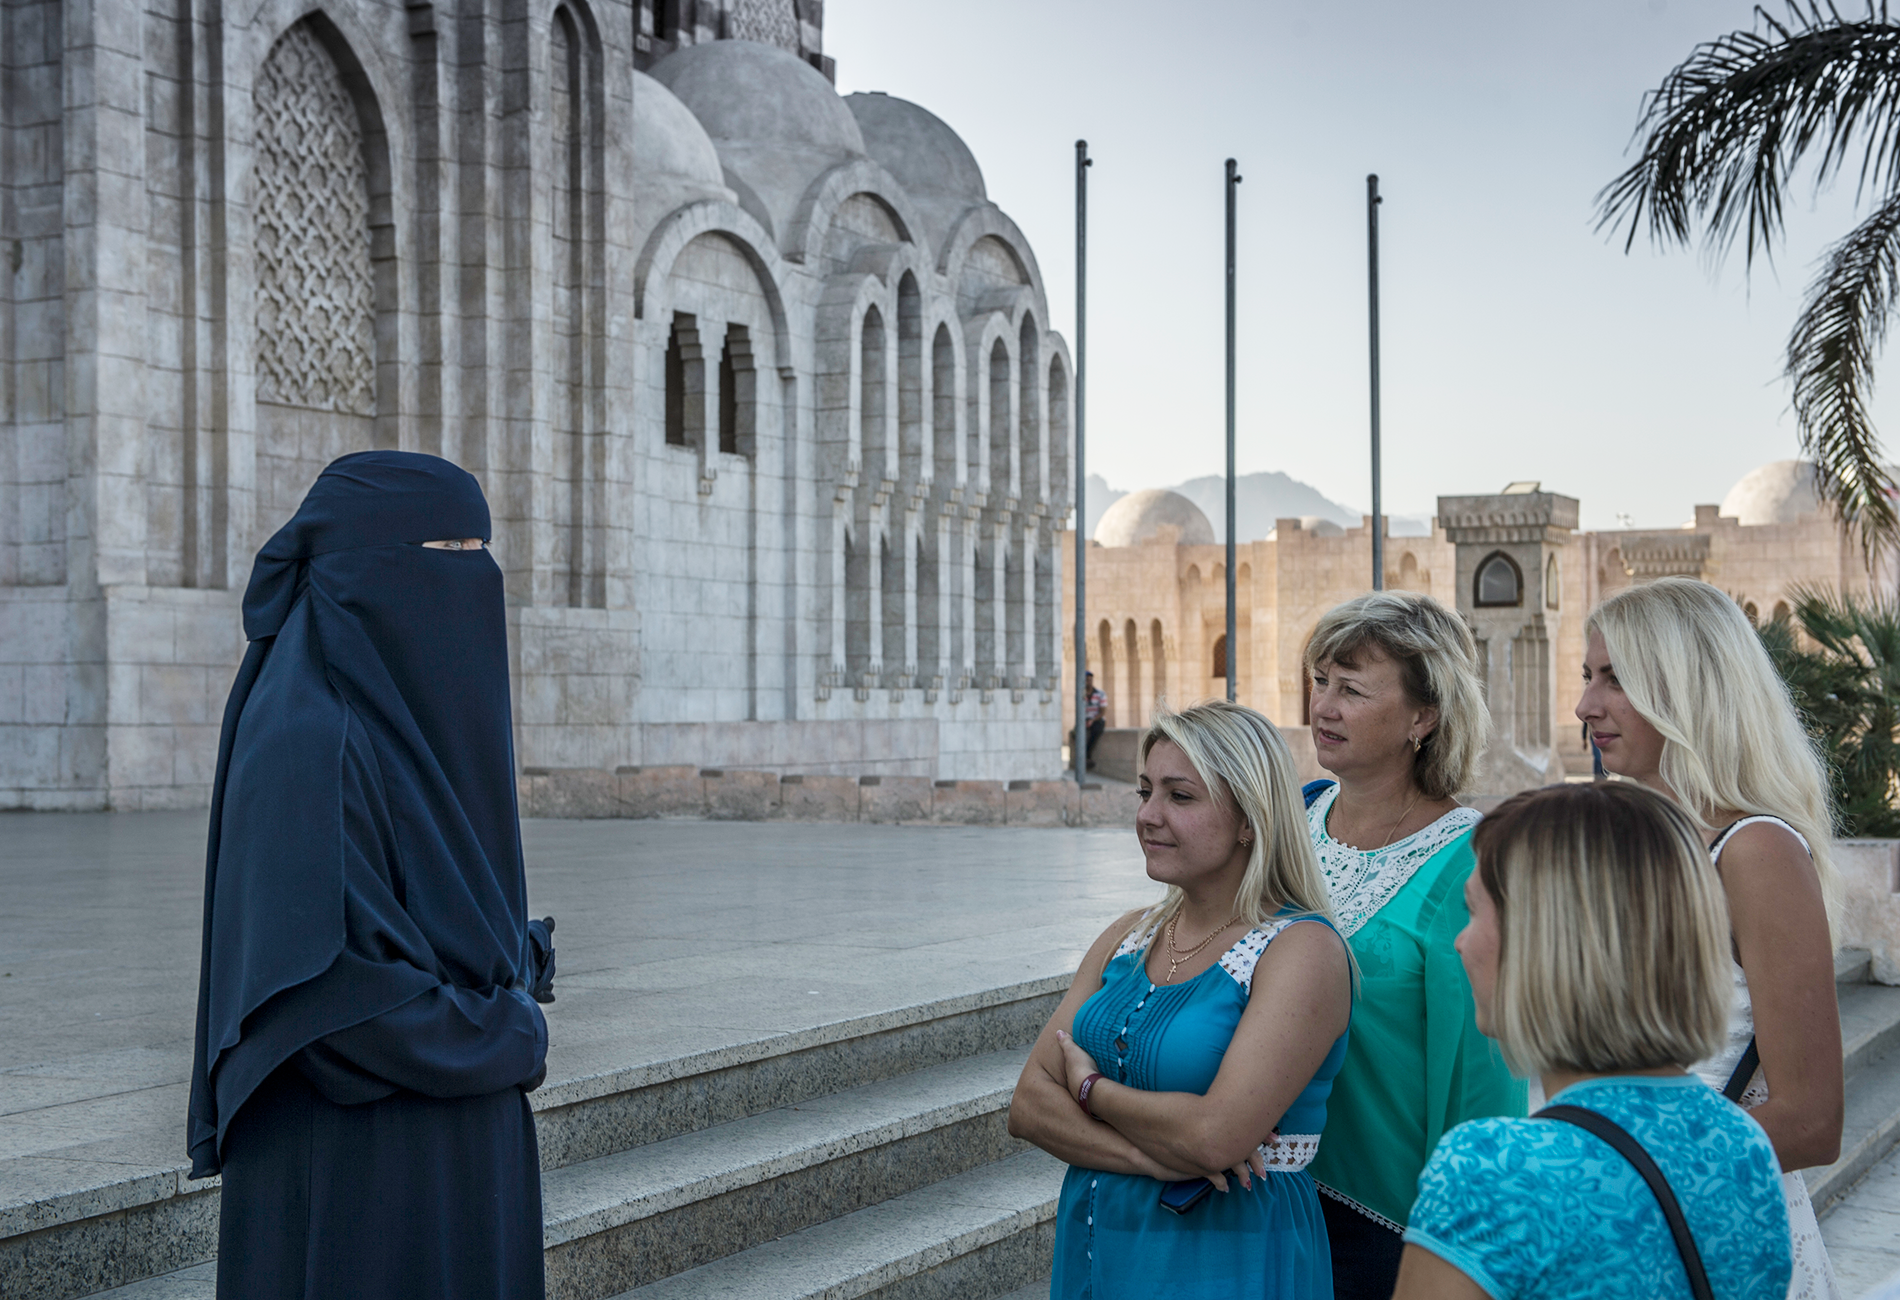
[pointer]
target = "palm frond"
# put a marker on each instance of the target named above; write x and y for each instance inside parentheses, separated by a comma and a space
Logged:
(1831, 351)
(1725, 131)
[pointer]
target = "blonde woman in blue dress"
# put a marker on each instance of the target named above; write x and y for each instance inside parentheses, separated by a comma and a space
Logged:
(1199, 1039)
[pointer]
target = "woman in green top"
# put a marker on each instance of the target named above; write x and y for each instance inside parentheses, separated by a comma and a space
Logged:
(1399, 719)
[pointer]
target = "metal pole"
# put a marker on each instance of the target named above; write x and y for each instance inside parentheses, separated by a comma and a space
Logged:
(1372, 289)
(1079, 747)
(1233, 180)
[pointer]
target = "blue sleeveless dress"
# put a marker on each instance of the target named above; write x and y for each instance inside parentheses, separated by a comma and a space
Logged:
(1113, 1239)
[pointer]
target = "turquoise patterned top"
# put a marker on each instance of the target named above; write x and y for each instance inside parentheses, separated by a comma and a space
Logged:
(1536, 1207)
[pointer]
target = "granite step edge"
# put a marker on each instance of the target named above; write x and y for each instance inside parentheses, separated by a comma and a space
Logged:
(1870, 1025)
(608, 1082)
(612, 1191)
(870, 1249)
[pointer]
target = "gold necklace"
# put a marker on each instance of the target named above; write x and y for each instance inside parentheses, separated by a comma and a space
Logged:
(1178, 957)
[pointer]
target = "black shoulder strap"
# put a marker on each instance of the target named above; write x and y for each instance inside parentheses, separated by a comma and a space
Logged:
(1631, 1150)
(1744, 1073)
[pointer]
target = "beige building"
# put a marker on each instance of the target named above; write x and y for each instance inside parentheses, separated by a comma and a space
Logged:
(1514, 562)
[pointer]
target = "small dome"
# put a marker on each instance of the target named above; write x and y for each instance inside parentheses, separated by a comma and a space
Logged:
(668, 139)
(930, 160)
(747, 93)
(774, 119)
(1139, 517)
(1320, 526)
(917, 146)
(1779, 492)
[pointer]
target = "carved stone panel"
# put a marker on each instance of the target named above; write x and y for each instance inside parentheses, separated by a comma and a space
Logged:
(316, 341)
(770, 22)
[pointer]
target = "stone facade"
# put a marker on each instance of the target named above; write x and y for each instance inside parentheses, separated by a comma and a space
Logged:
(759, 382)
(1513, 562)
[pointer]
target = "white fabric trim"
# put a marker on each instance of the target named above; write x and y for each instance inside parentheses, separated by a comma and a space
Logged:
(1238, 961)
(1290, 1152)
(1360, 882)
(1357, 1208)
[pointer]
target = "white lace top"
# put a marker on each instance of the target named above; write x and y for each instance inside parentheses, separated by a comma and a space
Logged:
(1360, 882)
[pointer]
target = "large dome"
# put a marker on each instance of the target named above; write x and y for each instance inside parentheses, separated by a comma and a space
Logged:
(1140, 517)
(668, 139)
(1779, 492)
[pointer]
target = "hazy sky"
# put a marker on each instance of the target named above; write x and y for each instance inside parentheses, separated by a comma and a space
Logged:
(1518, 342)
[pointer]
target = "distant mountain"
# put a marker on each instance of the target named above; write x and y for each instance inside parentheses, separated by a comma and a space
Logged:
(1259, 500)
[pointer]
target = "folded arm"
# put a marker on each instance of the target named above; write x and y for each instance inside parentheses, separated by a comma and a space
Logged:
(446, 1042)
(1301, 1002)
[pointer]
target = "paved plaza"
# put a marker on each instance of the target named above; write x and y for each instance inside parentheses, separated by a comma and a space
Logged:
(674, 938)
(677, 939)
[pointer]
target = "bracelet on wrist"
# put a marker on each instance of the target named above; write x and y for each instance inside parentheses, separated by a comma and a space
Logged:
(1082, 1093)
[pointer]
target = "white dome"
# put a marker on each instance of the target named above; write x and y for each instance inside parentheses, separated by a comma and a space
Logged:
(774, 119)
(930, 160)
(1140, 517)
(1320, 526)
(668, 139)
(1779, 492)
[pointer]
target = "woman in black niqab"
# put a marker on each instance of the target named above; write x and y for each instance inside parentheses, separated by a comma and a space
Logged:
(366, 1035)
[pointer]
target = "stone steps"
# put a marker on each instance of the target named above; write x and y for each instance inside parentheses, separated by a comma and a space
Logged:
(1870, 1046)
(666, 1167)
(978, 1235)
(635, 1217)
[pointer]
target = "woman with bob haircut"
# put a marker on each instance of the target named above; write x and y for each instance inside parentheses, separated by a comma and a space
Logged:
(1680, 696)
(1398, 717)
(1161, 1068)
(1598, 953)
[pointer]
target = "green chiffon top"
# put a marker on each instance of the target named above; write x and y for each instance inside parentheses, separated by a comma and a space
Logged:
(1416, 1065)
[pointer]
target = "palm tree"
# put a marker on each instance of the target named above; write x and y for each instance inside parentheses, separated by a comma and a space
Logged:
(1722, 138)
(1846, 682)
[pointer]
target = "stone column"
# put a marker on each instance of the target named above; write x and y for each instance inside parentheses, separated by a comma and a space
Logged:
(1503, 544)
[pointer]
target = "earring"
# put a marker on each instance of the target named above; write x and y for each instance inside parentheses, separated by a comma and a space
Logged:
(1416, 744)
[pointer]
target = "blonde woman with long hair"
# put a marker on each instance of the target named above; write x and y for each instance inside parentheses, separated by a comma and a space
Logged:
(1598, 957)
(1184, 1076)
(1680, 696)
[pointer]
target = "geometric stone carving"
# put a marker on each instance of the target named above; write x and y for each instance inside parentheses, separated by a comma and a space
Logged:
(316, 341)
(769, 22)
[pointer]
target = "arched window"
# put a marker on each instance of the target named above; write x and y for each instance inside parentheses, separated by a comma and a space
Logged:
(685, 379)
(1781, 612)
(1220, 657)
(1499, 582)
(1553, 583)
(1754, 614)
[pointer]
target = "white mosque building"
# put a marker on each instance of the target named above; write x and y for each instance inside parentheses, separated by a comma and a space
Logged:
(760, 384)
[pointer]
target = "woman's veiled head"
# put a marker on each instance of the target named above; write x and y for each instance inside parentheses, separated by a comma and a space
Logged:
(367, 499)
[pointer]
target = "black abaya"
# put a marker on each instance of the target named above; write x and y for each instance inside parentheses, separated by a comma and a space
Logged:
(365, 1037)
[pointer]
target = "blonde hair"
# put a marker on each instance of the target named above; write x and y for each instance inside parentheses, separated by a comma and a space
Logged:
(1438, 668)
(1613, 931)
(1243, 758)
(1694, 668)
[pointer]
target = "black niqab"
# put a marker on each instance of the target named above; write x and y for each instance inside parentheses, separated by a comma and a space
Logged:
(358, 633)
